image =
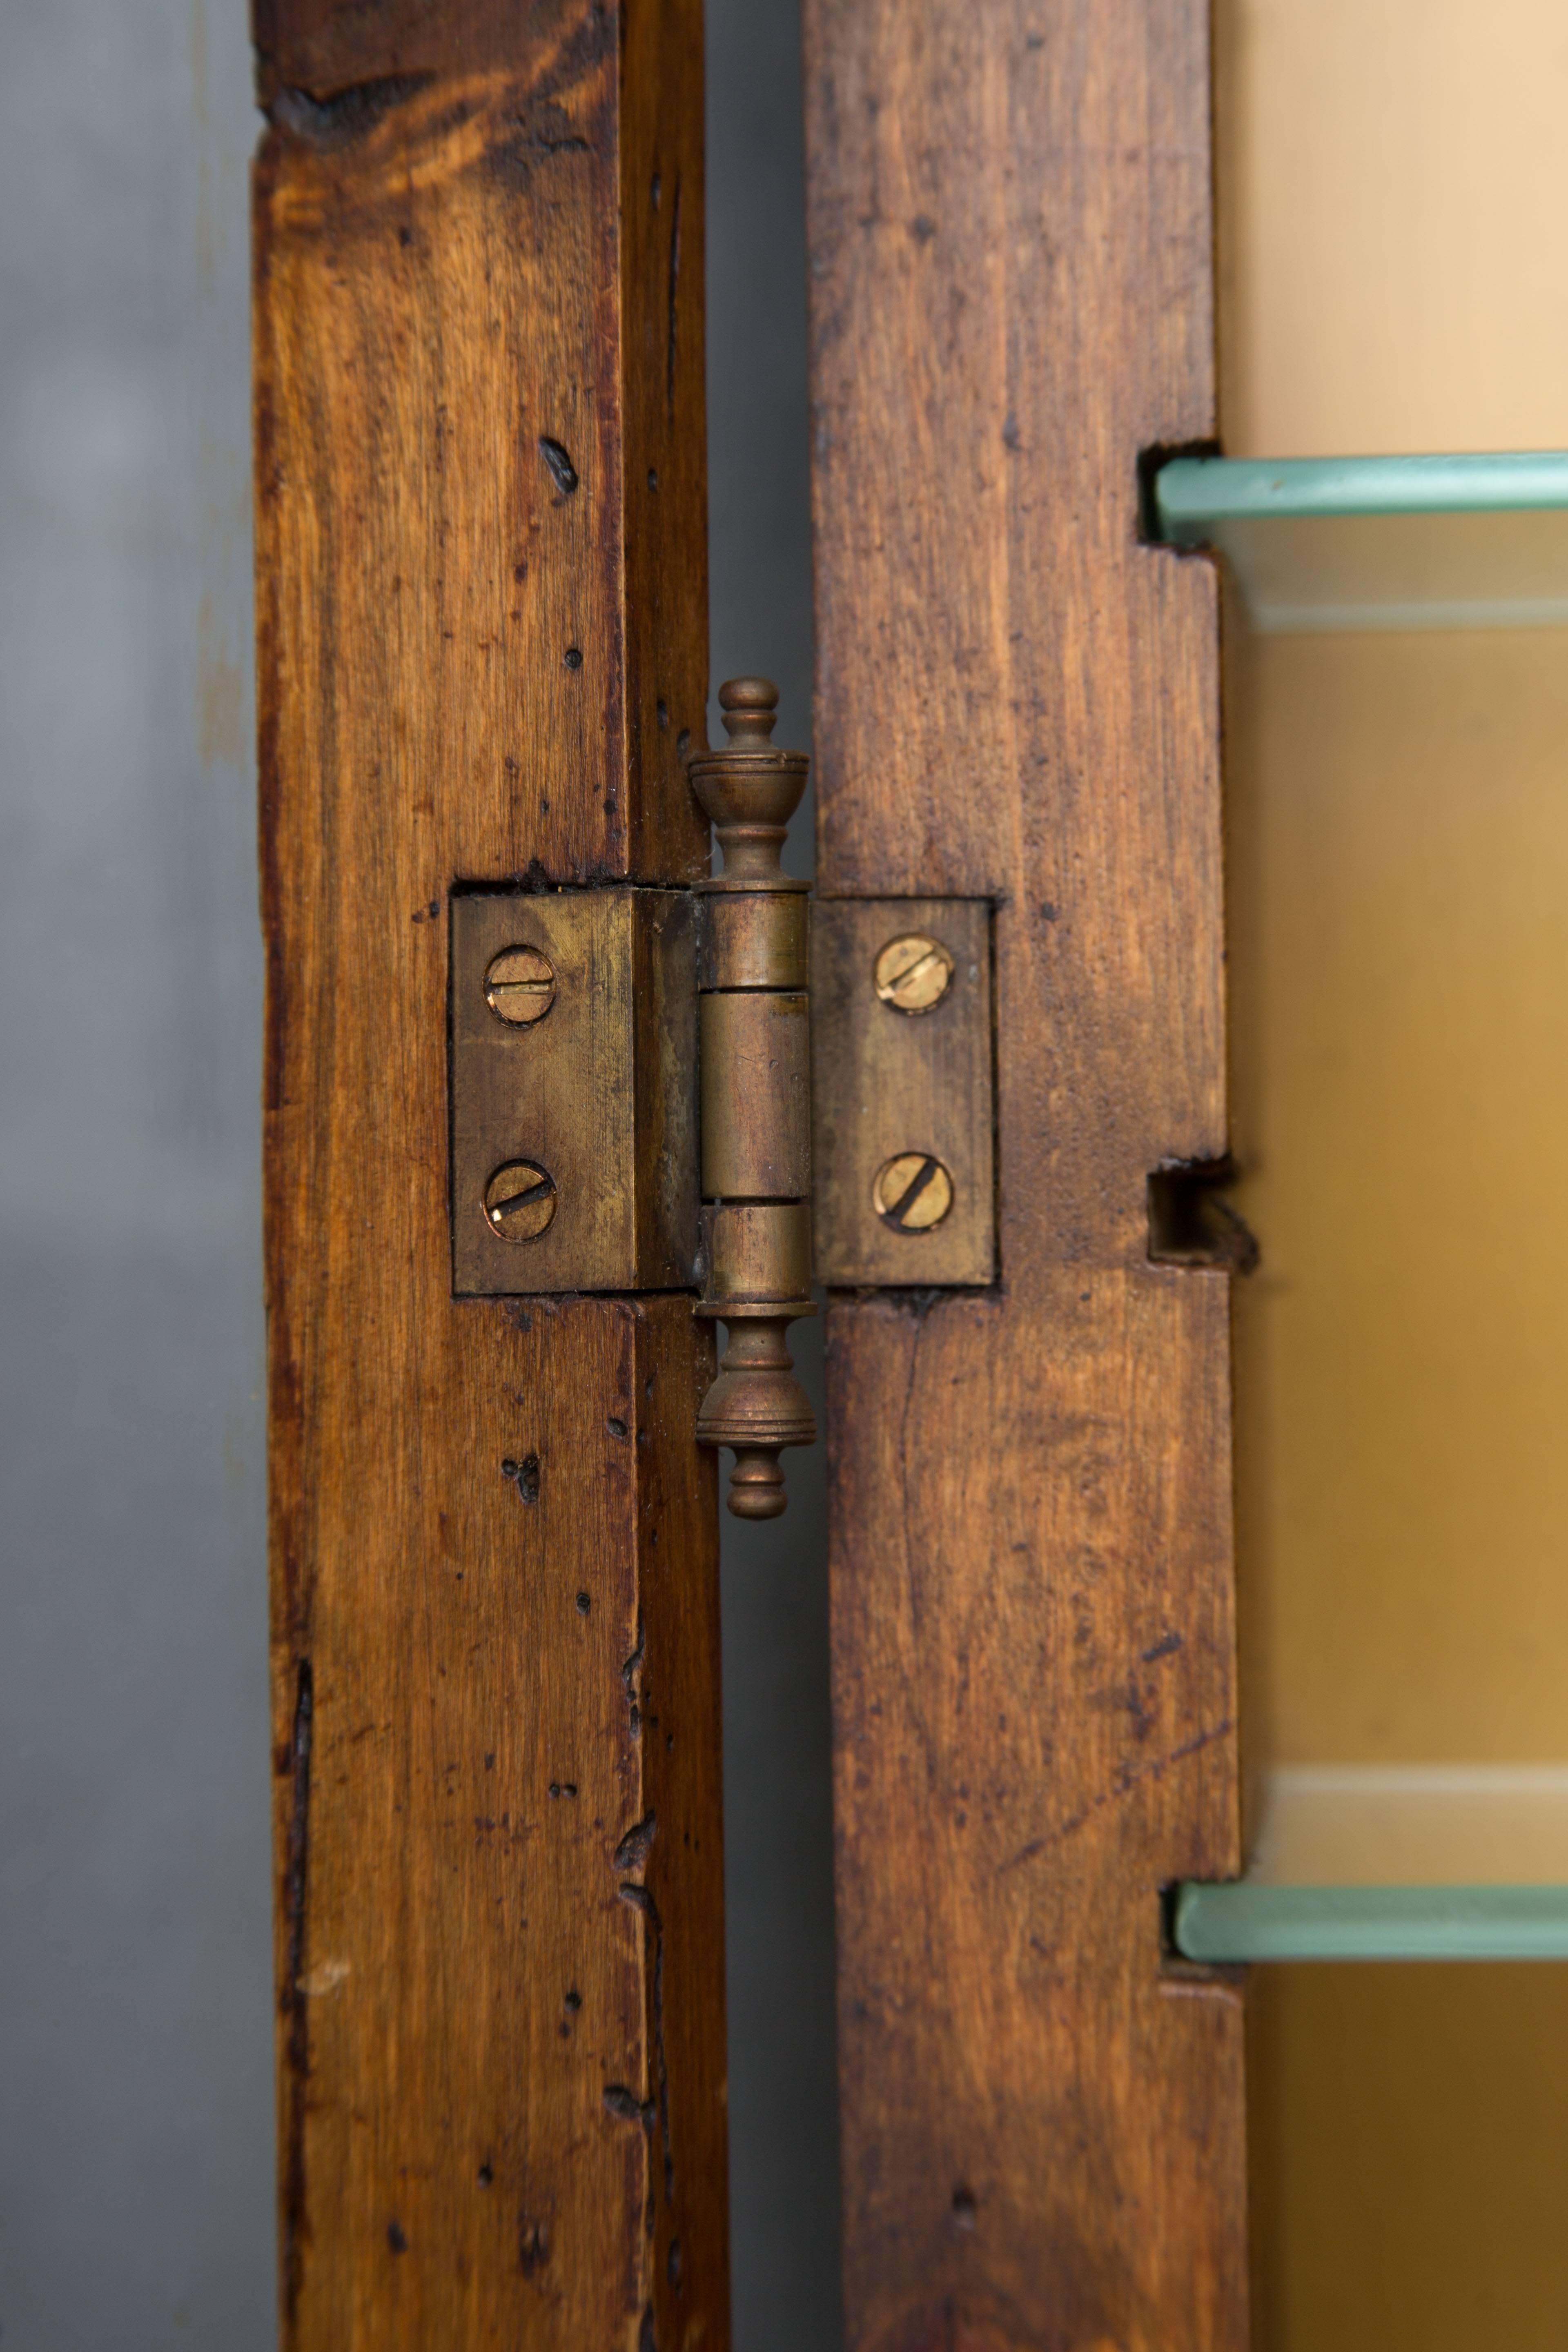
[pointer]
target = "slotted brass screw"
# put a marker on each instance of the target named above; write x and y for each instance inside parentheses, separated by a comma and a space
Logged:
(519, 1201)
(912, 1193)
(913, 972)
(520, 985)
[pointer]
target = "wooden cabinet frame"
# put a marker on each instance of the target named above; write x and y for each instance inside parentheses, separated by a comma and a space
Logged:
(482, 654)
(1011, 236)
(482, 594)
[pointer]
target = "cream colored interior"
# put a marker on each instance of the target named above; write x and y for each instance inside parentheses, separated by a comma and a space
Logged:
(1394, 179)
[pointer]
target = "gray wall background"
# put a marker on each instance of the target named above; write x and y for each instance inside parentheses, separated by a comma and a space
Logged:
(135, 2046)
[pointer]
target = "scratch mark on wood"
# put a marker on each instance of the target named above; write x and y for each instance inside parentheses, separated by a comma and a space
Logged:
(1127, 1780)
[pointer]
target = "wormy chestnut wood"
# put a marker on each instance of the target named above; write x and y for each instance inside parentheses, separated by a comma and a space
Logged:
(1010, 239)
(482, 630)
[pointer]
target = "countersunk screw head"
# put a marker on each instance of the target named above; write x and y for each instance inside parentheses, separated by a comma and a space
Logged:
(913, 972)
(520, 985)
(912, 1193)
(519, 1201)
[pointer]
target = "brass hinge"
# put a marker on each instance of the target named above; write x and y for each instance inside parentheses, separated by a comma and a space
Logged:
(580, 1021)
(753, 1019)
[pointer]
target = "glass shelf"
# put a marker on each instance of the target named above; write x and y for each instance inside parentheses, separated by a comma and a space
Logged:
(1319, 544)
(1248, 1922)
(1435, 1862)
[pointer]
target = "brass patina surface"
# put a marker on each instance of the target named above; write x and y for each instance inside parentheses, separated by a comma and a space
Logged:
(520, 985)
(754, 939)
(519, 1201)
(913, 972)
(912, 1193)
(892, 1095)
(600, 1097)
(756, 1100)
(756, 1095)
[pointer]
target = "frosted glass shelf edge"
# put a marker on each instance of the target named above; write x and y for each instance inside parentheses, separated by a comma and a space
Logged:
(1246, 1922)
(1192, 494)
(1323, 545)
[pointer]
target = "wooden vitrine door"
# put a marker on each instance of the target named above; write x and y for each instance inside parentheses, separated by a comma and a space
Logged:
(482, 581)
(483, 627)
(1018, 702)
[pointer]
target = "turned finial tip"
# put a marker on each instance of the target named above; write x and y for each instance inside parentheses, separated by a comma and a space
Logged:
(751, 706)
(757, 1483)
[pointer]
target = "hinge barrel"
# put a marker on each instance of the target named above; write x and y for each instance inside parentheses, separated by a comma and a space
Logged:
(755, 1062)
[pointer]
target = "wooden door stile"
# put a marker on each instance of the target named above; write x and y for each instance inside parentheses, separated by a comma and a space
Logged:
(482, 632)
(1010, 229)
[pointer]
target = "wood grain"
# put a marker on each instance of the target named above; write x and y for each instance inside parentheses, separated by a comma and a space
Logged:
(1011, 262)
(494, 1570)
